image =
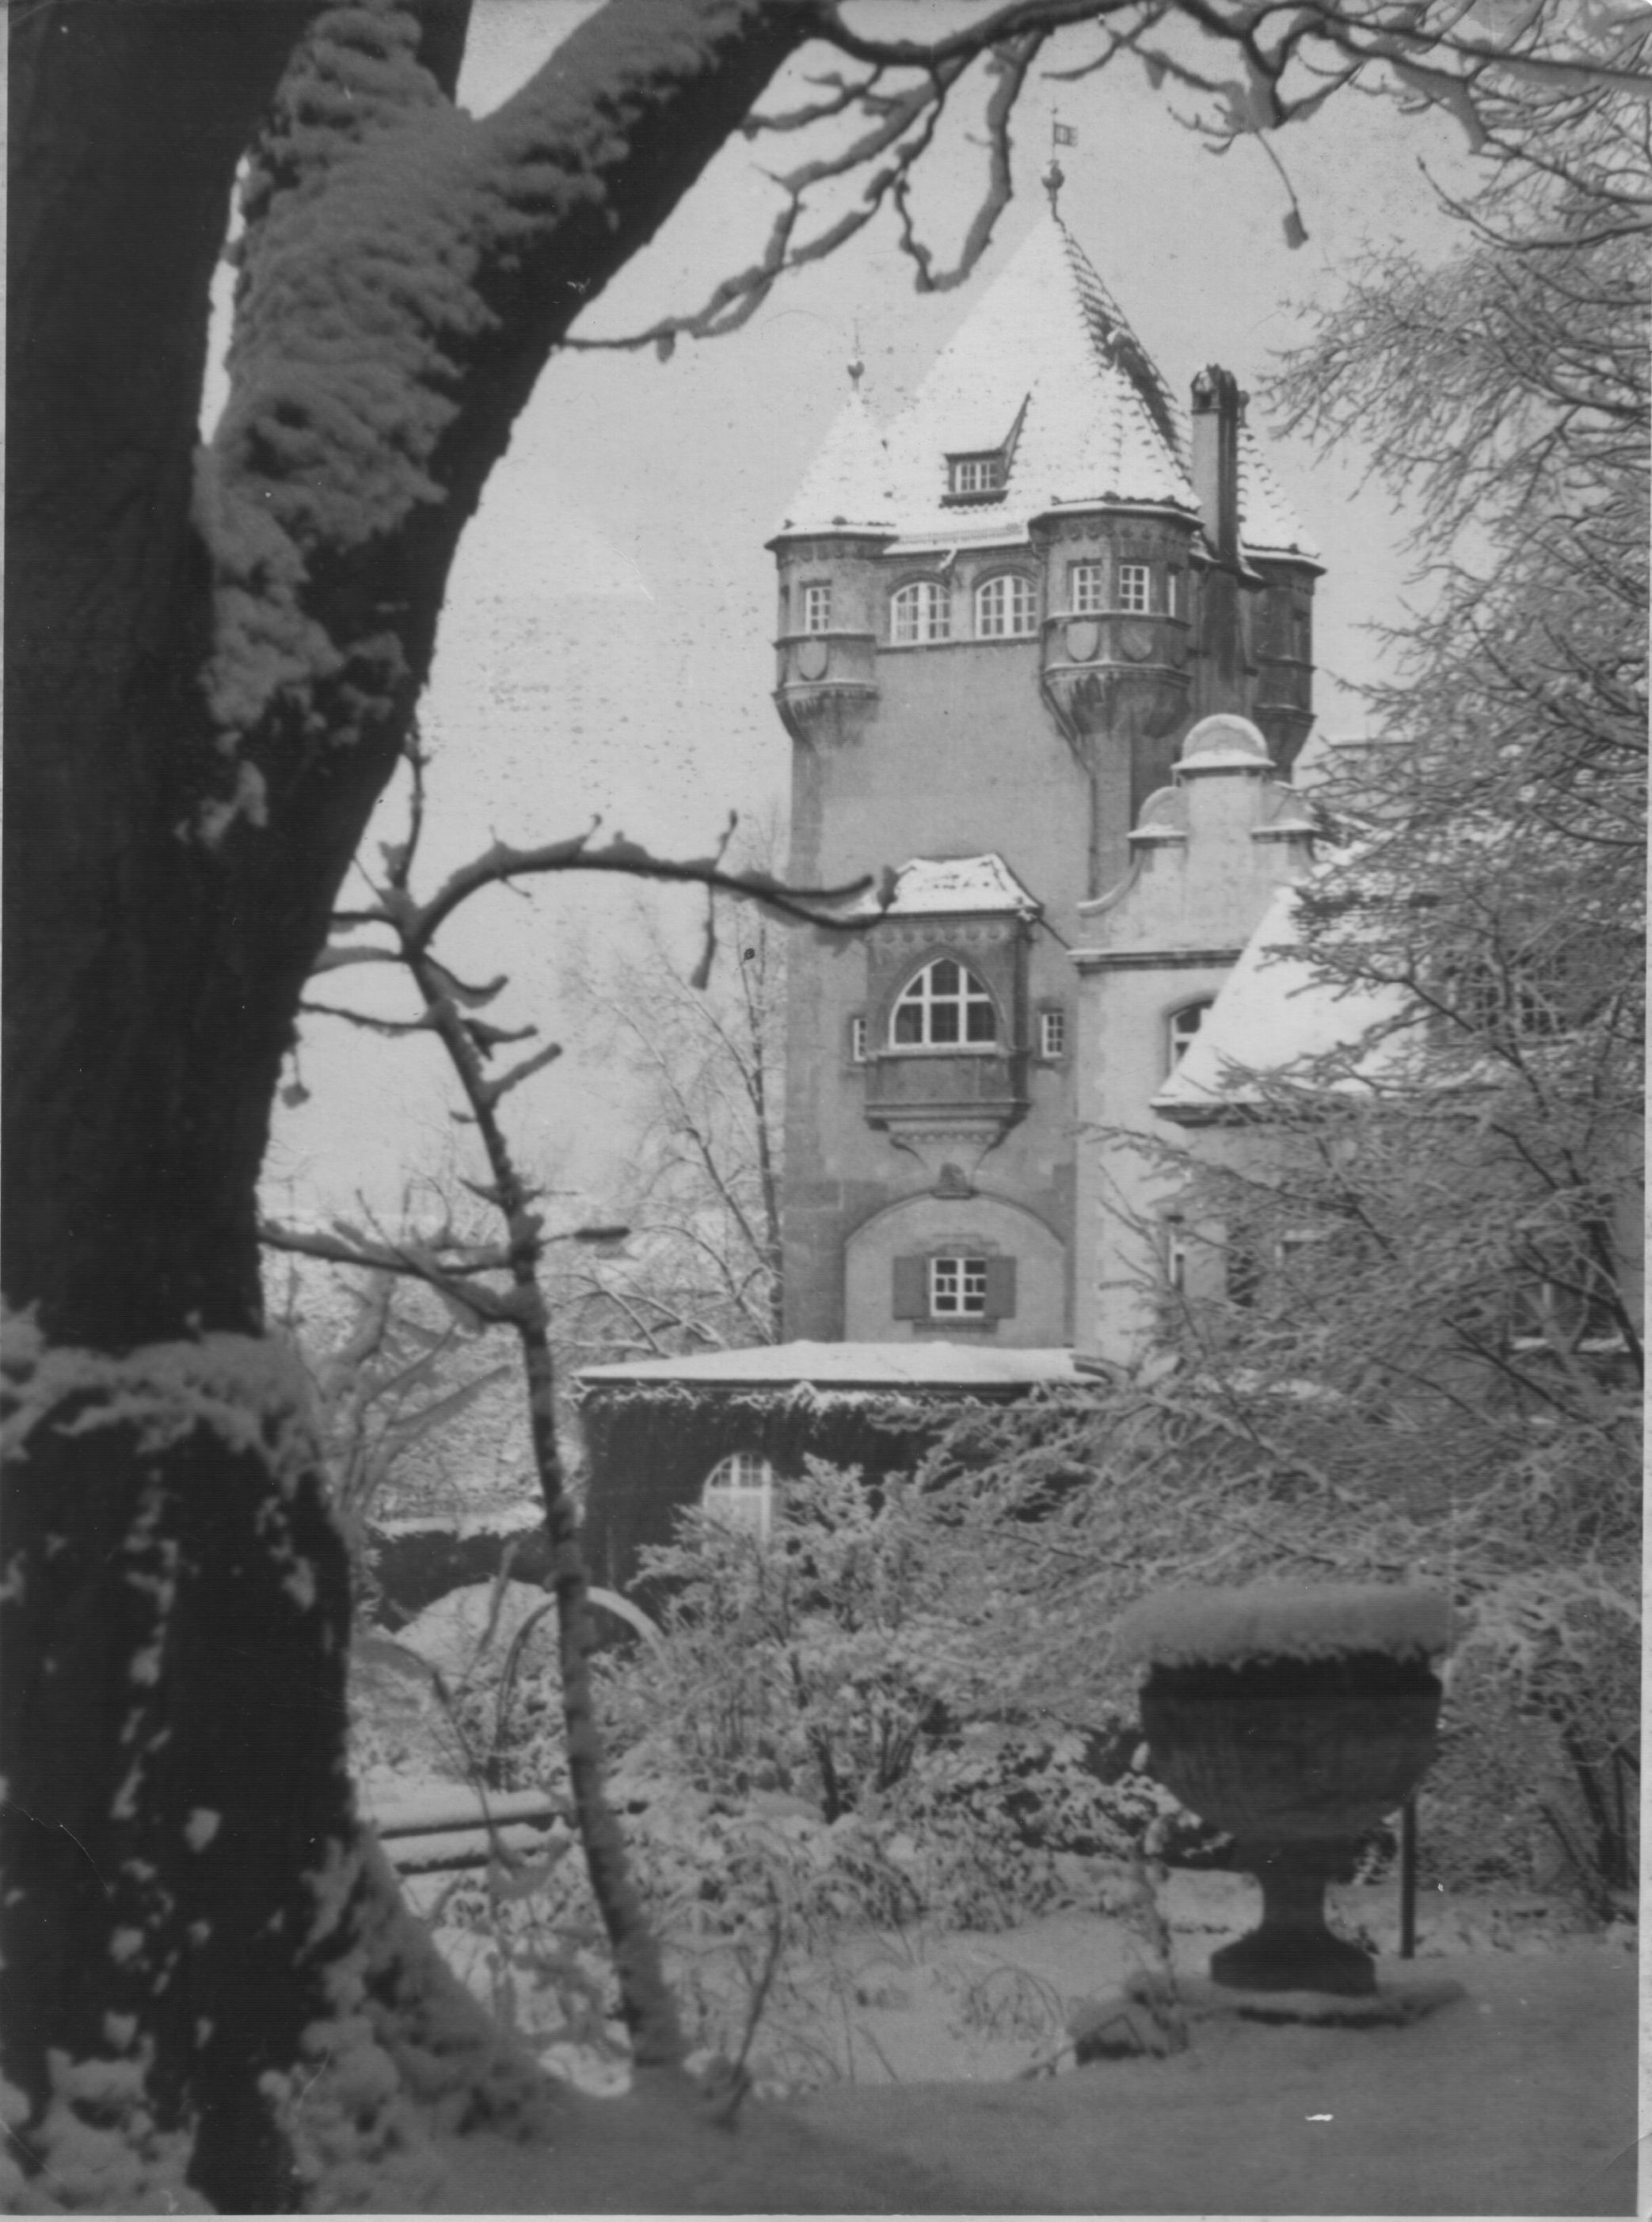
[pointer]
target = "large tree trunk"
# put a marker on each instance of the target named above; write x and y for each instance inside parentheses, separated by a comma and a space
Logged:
(212, 665)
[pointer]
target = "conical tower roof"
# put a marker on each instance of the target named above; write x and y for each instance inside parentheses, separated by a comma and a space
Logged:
(1046, 370)
(1267, 523)
(847, 484)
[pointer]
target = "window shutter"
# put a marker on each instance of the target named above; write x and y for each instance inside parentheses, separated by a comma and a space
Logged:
(911, 1297)
(1000, 1287)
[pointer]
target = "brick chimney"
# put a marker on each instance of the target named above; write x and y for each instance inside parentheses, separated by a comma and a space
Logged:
(1218, 412)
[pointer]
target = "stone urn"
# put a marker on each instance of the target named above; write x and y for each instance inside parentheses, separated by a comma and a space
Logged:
(1295, 1718)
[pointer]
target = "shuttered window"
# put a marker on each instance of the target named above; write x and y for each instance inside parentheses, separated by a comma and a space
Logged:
(953, 1285)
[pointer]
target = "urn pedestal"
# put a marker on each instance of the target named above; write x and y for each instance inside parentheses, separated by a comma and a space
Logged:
(1297, 1759)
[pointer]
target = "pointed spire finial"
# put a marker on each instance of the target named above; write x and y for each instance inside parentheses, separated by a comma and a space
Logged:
(1052, 180)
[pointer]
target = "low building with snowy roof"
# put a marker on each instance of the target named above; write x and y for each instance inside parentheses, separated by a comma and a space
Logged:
(723, 1428)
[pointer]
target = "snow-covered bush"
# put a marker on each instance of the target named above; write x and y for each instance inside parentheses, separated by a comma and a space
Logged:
(826, 1724)
(468, 1691)
(1068, 1511)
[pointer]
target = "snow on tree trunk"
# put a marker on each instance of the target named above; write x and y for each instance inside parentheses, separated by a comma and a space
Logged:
(213, 660)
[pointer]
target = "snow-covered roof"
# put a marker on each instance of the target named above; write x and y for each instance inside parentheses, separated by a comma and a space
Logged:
(927, 886)
(847, 484)
(1046, 356)
(1267, 523)
(915, 1366)
(1046, 371)
(1276, 1010)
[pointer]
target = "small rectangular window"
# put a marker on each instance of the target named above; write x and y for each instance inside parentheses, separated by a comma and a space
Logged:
(1176, 1254)
(1135, 584)
(1052, 1035)
(1241, 1273)
(958, 1288)
(857, 1040)
(1086, 580)
(977, 473)
(817, 606)
(1182, 1028)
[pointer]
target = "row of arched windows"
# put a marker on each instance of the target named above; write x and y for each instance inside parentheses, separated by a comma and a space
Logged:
(1005, 608)
(1006, 605)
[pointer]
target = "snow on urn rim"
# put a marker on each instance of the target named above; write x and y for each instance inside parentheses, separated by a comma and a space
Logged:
(1192, 1627)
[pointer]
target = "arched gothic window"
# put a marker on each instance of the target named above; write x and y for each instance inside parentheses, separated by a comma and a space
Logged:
(1004, 608)
(922, 610)
(944, 1007)
(740, 1491)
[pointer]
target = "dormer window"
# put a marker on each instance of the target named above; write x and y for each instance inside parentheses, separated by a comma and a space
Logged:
(975, 477)
(817, 605)
(920, 611)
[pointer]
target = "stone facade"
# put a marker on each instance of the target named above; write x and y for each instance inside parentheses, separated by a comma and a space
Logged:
(998, 623)
(1208, 853)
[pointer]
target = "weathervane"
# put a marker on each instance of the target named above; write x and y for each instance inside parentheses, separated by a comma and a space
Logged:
(1061, 135)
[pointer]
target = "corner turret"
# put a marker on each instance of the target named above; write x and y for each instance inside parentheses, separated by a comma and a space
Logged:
(827, 552)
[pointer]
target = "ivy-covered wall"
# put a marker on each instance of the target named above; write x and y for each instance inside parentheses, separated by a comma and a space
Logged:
(651, 1445)
(412, 1565)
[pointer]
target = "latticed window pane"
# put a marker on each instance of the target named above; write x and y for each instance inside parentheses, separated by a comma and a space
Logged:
(944, 1006)
(1086, 587)
(740, 1490)
(977, 473)
(1052, 1035)
(1134, 583)
(817, 607)
(1004, 608)
(920, 611)
(957, 1287)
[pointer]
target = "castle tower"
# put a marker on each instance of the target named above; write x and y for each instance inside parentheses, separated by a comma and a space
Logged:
(998, 619)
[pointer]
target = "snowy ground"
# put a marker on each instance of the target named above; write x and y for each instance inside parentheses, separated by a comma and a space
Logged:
(930, 2073)
(1518, 2099)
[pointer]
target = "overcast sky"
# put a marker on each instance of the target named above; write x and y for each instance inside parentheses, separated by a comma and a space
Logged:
(606, 643)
